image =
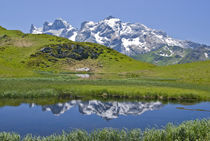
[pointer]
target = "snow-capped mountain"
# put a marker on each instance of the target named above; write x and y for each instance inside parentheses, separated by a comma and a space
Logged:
(106, 110)
(127, 38)
(59, 28)
(132, 39)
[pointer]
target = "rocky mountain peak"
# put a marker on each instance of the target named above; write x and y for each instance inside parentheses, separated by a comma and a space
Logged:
(56, 25)
(47, 26)
(109, 17)
(32, 28)
(59, 27)
(60, 23)
(111, 20)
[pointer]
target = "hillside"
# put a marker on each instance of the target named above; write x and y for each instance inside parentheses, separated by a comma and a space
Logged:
(24, 54)
(196, 72)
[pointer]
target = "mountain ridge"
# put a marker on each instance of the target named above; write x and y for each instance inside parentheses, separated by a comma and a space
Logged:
(132, 39)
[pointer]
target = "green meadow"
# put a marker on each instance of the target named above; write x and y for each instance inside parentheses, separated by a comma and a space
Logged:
(158, 89)
(21, 56)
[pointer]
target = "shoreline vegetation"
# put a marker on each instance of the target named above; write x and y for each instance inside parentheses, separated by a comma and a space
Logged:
(196, 130)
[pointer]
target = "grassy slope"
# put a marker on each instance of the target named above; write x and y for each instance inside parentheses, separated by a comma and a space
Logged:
(16, 49)
(197, 72)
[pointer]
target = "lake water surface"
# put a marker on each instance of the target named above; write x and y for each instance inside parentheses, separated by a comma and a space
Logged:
(94, 114)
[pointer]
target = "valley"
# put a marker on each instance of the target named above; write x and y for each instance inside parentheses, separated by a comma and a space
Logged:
(95, 84)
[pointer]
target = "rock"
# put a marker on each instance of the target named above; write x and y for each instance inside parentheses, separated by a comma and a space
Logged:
(76, 52)
(83, 75)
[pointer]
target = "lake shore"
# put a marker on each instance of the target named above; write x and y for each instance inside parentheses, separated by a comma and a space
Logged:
(190, 130)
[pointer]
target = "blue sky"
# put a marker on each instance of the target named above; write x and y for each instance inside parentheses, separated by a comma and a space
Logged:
(182, 19)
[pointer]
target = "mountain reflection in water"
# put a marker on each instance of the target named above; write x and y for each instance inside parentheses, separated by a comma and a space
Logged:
(106, 110)
(55, 117)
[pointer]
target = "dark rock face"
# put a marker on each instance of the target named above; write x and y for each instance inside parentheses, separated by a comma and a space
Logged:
(72, 51)
(198, 54)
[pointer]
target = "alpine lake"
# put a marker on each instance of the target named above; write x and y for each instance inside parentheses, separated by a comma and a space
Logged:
(40, 118)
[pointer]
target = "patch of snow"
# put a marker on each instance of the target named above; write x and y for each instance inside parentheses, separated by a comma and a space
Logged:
(83, 69)
(90, 24)
(37, 31)
(111, 22)
(206, 55)
(146, 28)
(55, 32)
(73, 37)
(50, 24)
(166, 54)
(173, 42)
(131, 42)
(98, 38)
(86, 26)
(125, 29)
(70, 28)
(159, 36)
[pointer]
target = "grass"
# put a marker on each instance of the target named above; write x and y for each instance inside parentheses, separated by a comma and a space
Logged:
(121, 88)
(197, 72)
(198, 130)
